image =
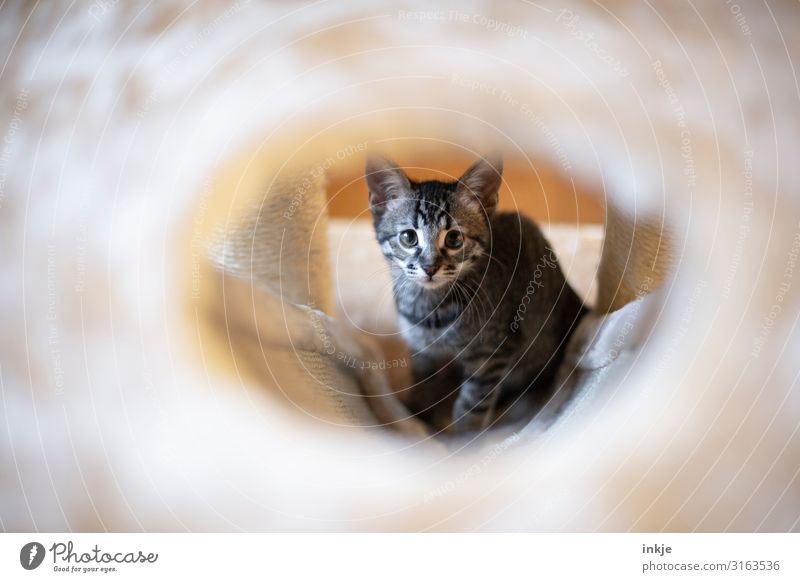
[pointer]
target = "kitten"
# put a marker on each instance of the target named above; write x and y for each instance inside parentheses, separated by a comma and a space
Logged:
(472, 285)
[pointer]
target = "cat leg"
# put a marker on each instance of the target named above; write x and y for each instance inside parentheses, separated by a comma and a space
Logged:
(435, 383)
(425, 366)
(474, 406)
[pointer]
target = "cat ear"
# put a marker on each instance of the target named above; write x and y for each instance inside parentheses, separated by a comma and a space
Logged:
(481, 182)
(386, 181)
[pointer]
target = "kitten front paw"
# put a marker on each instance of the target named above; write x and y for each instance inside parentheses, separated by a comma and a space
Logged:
(466, 418)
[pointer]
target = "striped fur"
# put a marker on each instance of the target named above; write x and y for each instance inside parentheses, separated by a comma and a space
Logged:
(499, 305)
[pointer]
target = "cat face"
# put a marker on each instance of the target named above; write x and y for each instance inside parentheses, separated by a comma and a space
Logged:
(432, 232)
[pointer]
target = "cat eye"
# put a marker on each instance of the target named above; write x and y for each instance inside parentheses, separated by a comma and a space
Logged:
(408, 238)
(454, 239)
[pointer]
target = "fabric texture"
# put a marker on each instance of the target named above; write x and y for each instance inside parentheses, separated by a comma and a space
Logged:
(278, 245)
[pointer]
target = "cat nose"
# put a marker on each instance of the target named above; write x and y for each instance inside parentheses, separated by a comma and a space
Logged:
(430, 270)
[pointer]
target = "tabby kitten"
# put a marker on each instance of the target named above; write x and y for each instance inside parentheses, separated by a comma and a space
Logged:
(472, 285)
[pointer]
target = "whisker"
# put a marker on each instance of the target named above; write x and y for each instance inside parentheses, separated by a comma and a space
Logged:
(478, 295)
(493, 258)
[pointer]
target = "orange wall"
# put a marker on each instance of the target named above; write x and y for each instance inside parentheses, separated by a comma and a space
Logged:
(540, 191)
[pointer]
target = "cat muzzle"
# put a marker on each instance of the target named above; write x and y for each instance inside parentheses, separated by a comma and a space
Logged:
(430, 270)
